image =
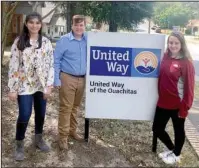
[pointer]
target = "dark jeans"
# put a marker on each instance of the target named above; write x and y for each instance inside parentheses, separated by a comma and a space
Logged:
(25, 109)
(161, 119)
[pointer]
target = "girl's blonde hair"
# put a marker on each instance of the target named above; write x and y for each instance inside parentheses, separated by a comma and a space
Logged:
(184, 50)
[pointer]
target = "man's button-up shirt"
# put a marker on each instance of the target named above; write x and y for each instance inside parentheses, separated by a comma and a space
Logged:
(70, 56)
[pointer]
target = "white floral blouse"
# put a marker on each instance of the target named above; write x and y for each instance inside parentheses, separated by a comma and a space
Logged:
(31, 70)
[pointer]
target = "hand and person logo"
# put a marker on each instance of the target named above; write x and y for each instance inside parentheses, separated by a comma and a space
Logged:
(146, 62)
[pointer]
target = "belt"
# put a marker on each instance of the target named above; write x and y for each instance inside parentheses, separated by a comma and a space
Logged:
(77, 76)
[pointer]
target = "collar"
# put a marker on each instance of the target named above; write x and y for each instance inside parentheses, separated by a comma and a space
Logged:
(71, 36)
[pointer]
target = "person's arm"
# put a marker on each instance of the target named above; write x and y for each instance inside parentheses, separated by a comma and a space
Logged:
(58, 54)
(13, 73)
(188, 74)
(50, 80)
(159, 76)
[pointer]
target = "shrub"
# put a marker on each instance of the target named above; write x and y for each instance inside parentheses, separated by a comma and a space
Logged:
(188, 31)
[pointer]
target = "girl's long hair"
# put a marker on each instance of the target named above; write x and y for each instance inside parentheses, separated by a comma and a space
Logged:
(184, 50)
(24, 38)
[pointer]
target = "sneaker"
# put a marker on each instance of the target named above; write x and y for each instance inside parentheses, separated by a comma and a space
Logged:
(171, 159)
(164, 154)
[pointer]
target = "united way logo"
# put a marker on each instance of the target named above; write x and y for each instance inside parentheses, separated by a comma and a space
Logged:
(146, 62)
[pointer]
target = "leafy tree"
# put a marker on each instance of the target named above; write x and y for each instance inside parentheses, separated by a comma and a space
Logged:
(116, 14)
(120, 14)
(171, 14)
(8, 9)
(194, 9)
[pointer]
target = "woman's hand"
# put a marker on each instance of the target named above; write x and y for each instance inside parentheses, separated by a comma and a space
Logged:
(12, 96)
(57, 87)
(47, 92)
(181, 116)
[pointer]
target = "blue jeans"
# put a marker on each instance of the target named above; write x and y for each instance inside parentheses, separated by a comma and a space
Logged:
(25, 109)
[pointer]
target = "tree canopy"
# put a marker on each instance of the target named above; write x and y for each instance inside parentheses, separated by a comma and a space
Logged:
(170, 14)
(116, 14)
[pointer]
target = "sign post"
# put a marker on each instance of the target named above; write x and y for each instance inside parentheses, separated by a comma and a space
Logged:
(86, 135)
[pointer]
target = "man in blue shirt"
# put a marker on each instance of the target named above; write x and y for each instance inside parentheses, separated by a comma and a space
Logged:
(70, 69)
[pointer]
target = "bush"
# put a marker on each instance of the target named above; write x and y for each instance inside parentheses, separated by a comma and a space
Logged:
(158, 30)
(188, 31)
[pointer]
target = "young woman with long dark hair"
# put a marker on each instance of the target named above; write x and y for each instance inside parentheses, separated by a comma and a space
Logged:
(31, 77)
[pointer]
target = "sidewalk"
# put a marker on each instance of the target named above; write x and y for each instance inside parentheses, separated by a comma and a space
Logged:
(194, 114)
(192, 134)
(192, 126)
(192, 39)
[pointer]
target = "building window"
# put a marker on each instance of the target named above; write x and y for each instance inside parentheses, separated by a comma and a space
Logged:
(48, 30)
(56, 29)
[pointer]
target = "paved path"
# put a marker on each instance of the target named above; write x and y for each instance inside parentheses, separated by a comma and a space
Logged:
(194, 117)
(192, 135)
(194, 50)
(192, 126)
(196, 65)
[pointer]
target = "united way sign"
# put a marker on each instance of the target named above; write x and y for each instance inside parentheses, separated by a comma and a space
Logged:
(122, 73)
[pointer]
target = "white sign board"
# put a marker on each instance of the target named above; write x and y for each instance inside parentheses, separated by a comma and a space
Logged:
(122, 71)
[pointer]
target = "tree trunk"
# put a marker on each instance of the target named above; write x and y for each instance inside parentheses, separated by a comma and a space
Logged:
(112, 26)
(68, 16)
(98, 25)
(149, 27)
(8, 11)
(112, 21)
